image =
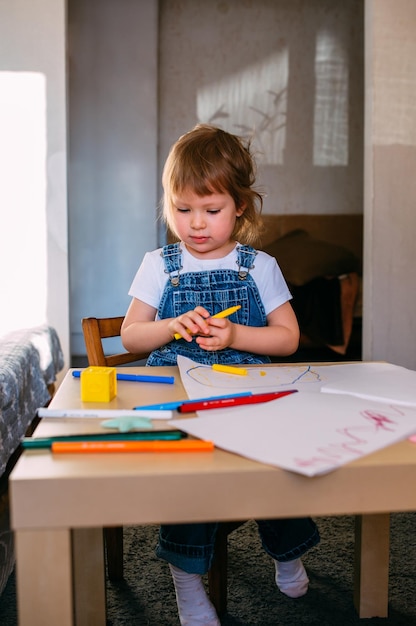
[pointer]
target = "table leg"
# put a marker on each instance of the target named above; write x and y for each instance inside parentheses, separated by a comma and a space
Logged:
(89, 576)
(371, 578)
(44, 577)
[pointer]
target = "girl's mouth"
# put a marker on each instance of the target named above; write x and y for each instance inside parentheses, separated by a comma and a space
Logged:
(196, 239)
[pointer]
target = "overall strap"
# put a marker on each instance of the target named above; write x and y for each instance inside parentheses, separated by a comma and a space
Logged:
(245, 260)
(172, 258)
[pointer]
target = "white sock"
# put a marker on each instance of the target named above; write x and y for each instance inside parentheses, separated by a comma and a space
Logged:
(291, 578)
(194, 606)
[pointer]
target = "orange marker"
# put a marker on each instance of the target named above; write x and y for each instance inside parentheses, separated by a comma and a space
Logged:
(183, 445)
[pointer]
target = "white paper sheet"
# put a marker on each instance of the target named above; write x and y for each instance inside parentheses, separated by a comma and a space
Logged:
(307, 433)
(383, 382)
(365, 407)
(201, 380)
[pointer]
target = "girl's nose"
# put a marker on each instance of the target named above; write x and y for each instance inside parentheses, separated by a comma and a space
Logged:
(197, 221)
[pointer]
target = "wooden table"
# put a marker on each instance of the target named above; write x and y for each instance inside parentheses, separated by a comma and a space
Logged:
(60, 504)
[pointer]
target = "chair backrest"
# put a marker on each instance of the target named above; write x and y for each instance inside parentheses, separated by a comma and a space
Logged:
(95, 329)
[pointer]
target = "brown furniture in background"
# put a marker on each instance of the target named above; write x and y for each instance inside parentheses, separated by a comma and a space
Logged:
(321, 258)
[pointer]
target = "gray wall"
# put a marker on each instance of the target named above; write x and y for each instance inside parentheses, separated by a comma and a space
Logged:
(390, 183)
(112, 178)
(32, 39)
(33, 162)
(287, 74)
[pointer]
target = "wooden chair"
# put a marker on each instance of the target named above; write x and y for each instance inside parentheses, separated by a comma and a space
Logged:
(95, 330)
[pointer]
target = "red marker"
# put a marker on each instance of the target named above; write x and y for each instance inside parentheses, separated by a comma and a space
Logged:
(190, 407)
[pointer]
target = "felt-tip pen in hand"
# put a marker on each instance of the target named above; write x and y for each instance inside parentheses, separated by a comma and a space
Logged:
(225, 313)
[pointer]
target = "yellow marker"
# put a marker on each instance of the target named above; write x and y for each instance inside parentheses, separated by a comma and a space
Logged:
(225, 313)
(228, 312)
(228, 369)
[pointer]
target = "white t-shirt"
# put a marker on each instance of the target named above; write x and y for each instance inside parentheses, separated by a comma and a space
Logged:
(150, 279)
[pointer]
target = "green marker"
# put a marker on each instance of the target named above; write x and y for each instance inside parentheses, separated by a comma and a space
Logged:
(156, 435)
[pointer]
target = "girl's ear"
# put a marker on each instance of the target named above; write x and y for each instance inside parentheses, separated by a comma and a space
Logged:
(240, 210)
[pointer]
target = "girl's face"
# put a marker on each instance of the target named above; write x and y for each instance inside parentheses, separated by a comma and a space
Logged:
(205, 223)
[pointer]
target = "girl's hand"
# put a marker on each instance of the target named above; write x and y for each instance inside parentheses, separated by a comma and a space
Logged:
(190, 323)
(220, 335)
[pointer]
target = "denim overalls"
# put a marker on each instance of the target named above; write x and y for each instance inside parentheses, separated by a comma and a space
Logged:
(215, 290)
(191, 546)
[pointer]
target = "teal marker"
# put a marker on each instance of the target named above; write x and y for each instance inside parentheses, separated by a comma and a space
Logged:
(156, 435)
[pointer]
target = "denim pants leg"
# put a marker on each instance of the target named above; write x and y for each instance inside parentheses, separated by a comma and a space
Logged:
(288, 539)
(191, 546)
(187, 546)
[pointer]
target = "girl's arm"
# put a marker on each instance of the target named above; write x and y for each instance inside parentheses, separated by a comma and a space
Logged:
(279, 338)
(141, 332)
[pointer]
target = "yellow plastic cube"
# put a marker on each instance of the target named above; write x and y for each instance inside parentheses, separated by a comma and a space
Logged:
(98, 384)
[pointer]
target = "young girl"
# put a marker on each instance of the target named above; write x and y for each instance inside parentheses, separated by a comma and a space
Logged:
(211, 206)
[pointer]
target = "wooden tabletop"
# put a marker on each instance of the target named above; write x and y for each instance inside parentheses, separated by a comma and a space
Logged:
(155, 487)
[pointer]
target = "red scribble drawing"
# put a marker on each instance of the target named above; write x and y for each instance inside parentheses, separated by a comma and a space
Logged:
(380, 420)
(353, 438)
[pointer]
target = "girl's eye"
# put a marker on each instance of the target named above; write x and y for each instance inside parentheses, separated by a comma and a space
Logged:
(213, 211)
(182, 210)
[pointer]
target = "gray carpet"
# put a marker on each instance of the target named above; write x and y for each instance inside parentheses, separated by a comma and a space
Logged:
(146, 596)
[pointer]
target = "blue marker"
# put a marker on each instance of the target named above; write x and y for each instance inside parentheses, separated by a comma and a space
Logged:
(138, 378)
(173, 406)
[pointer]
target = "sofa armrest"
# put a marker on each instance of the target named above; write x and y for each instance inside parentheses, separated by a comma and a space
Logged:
(29, 362)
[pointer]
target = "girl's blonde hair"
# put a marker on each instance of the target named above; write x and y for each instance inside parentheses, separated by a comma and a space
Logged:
(209, 160)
